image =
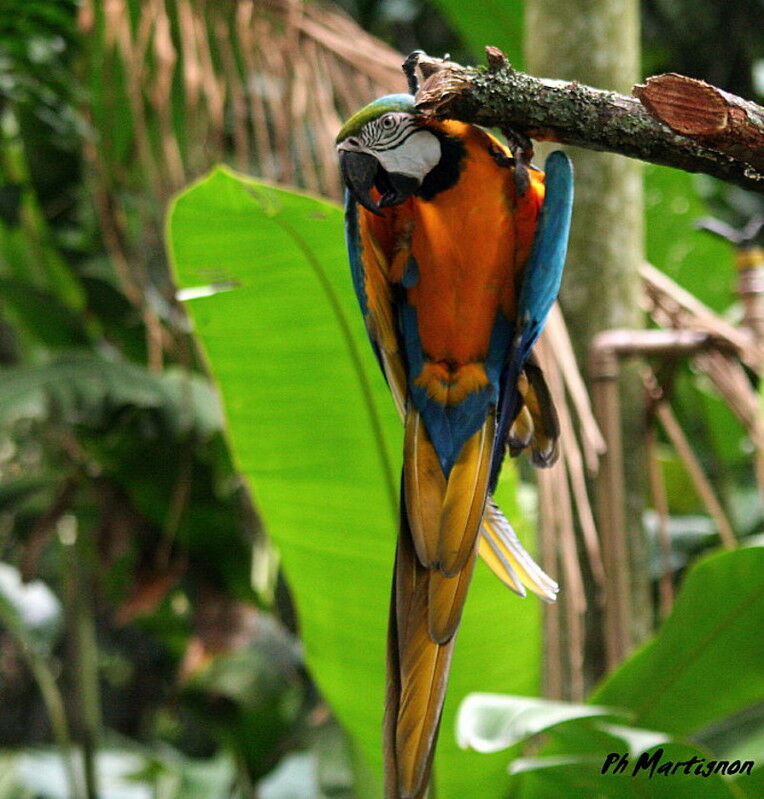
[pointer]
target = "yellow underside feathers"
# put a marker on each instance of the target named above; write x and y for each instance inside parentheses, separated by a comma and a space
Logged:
(465, 499)
(451, 388)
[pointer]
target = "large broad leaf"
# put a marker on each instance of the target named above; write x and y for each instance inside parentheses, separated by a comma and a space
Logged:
(703, 665)
(706, 662)
(312, 428)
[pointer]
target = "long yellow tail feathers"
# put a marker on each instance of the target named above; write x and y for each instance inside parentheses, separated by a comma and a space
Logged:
(446, 601)
(424, 488)
(417, 677)
(437, 548)
(465, 500)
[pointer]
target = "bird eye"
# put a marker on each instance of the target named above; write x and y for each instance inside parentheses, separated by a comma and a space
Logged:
(388, 123)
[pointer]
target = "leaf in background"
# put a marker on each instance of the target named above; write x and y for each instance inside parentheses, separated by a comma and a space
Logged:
(488, 22)
(699, 262)
(80, 387)
(123, 773)
(706, 661)
(293, 778)
(311, 426)
(703, 665)
(492, 722)
(30, 610)
(58, 326)
(254, 695)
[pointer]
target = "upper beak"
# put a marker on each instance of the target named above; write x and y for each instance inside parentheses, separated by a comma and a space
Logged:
(359, 171)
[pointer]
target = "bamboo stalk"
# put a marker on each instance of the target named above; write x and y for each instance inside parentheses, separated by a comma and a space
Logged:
(51, 697)
(556, 332)
(236, 94)
(610, 514)
(77, 574)
(702, 485)
(570, 454)
(575, 596)
(575, 593)
(660, 503)
(165, 62)
(682, 310)
(553, 658)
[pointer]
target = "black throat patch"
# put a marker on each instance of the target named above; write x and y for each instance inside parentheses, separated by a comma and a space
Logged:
(445, 174)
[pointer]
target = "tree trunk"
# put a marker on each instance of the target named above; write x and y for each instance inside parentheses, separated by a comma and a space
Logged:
(598, 44)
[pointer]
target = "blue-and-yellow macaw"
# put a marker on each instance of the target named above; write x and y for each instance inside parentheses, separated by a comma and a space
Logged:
(455, 264)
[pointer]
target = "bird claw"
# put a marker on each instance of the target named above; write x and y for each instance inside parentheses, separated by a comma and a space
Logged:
(521, 148)
(501, 159)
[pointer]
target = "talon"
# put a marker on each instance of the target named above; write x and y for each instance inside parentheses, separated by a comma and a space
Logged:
(502, 159)
(521, 148)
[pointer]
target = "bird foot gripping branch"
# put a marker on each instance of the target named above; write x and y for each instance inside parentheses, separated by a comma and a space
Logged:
(456, 250)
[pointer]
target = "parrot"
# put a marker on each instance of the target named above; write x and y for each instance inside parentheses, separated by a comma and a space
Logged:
(456, 251)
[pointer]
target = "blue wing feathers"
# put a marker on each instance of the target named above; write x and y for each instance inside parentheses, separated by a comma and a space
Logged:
(541, 284)
(550, 245)
(353, 242)
(354, 247)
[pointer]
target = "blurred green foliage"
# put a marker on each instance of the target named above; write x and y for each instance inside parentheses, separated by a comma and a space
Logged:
(117, 492)
(119, 497)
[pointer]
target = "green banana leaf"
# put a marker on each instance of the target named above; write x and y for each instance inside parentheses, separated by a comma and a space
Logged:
(313, 430)
(706, 660)
(693, 680)
(700, 678)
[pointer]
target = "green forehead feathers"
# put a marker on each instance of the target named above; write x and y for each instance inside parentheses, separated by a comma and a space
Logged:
(390, 102)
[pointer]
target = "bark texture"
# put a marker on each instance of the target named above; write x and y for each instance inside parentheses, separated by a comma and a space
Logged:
(570, 112)
(699, 111)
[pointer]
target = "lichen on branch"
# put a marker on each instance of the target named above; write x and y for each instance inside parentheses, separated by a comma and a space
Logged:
(571, 113)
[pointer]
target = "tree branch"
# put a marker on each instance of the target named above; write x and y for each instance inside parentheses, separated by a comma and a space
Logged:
(709, 115)
(570, 113)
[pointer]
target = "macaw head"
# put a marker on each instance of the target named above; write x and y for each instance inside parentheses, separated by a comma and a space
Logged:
(387, 145)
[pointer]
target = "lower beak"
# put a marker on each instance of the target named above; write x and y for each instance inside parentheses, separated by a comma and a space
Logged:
(359, 171)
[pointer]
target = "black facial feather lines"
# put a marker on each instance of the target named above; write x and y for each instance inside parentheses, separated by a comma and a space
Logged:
(388, 132)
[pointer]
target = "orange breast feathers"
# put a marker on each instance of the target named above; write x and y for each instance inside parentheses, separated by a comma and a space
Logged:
(470, 243)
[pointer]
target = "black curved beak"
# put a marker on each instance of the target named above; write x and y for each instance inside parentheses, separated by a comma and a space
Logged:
(359, 171)
(362, 171)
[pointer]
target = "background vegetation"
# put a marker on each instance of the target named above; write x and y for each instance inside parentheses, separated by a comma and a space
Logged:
(154, 642)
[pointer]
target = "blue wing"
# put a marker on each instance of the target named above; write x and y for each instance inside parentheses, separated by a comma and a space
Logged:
(541, 283)
(353, 243)
(374, 295)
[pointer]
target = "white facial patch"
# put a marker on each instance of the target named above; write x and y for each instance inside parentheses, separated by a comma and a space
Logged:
(414, 157)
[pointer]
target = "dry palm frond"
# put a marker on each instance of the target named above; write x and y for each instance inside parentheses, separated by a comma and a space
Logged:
(264, 81)
(672, 307)
(566, 509)
(717, 349)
